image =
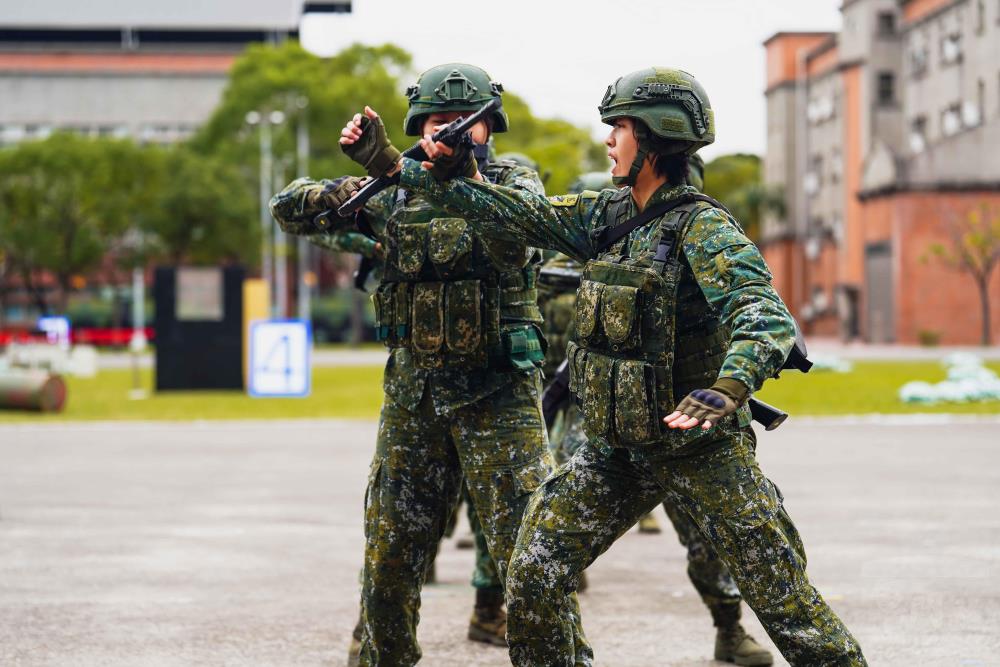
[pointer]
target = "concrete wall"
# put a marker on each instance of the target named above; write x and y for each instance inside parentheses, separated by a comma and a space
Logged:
(971, 83)
(151, 107)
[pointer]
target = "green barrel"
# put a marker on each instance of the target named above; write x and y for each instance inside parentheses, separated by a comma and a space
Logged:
(26, 389)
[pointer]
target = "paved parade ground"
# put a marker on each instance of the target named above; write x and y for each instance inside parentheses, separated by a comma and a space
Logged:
(239, 543)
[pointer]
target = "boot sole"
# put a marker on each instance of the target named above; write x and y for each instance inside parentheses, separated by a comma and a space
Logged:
(477, 635)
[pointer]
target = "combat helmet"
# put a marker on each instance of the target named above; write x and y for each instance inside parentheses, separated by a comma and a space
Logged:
(519, 159)
(592, 180)
(696, 171)
(452, 87)
(672, 106)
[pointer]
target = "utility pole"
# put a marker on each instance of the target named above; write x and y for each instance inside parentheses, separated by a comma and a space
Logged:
(304, 248)
(265, 120)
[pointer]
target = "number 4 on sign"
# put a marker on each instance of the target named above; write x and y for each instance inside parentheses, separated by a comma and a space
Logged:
(280, 348)
(279, 358)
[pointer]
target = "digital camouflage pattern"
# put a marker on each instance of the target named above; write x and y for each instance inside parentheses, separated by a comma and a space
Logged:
(557, 300)
(438, 424)
(721, 283)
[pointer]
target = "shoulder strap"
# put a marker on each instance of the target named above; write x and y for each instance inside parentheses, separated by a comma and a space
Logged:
(607, 236)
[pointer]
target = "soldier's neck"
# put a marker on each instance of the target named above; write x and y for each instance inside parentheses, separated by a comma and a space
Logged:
(646, 183)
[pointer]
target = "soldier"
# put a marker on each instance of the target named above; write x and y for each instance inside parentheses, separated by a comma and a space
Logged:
(558, 281)
(459, 315)
(676, 323)
(488, 621)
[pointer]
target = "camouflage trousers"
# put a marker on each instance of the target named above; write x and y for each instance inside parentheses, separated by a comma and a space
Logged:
(484, 572)
(596, 497)
(706, 570)
(499, 445)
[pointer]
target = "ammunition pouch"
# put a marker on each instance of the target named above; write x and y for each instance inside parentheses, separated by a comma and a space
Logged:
(450, 307)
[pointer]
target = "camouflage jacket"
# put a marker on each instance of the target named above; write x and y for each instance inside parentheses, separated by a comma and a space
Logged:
(450, 389)
(725, 264)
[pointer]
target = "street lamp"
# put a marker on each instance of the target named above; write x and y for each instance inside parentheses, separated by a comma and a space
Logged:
(302, 155)
(265, 120)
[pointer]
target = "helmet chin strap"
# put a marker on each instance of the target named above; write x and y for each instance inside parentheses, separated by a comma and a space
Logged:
(642, 150)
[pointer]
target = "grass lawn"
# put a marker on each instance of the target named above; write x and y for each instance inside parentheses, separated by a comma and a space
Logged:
(356, 393)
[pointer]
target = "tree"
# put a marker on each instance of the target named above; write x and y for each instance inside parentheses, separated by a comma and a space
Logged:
(276, 77)
(562, 150)
(61, 202)
(269, 78)
(735, 180)
(202, 212)
(974, 249)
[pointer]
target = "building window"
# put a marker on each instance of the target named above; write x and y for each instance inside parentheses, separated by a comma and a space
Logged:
(836, 166)
(980, 16)
(951, 49)
(886, 94)
(918, 134)
(951, 120)
(813, 180)
(886, 24)
(821, 109)
(918, 61)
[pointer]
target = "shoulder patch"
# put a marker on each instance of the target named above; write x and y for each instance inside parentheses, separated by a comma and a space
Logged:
(564, 200)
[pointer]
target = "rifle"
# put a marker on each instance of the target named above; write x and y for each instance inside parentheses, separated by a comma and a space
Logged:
(451, 135)
(768, 416)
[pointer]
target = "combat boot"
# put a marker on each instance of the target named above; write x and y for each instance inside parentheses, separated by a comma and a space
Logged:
(354, 652)
(489, 621)
(733, 644)
(648, 524)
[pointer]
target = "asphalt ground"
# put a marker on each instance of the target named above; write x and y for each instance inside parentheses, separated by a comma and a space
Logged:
(239, 543)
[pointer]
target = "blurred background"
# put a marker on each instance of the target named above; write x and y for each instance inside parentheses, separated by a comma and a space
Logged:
(852, 148)
(152, 314)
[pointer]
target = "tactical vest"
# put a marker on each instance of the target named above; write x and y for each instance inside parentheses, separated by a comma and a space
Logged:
(645, 336)
(450, 299)
(558, 280)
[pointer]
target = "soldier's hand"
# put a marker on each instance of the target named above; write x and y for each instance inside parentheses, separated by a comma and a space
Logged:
(336, 193)
(708, 406)
(445, 162)
(365, 141)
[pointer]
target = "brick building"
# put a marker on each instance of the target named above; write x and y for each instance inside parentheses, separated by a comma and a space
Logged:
(883, 135)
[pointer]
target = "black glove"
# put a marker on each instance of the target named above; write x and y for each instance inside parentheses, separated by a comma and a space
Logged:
(721, 400)
(373, 150)
(461, 162)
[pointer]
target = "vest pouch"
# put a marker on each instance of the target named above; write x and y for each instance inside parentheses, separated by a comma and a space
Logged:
(597, 394)
(383, 302)
(577, 358)
(524, 346)
(636, 414)
(411, 246)
(399, 333)
(427, 335)
(448, 243)
(464, 317)
(588, 303)
(619, 315)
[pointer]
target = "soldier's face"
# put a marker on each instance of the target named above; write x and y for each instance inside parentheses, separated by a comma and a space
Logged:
(622, 146)
(480, 132)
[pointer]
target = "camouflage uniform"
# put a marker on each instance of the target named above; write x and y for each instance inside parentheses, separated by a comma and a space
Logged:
(733, 325)
(557, 284)
(461, 396)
